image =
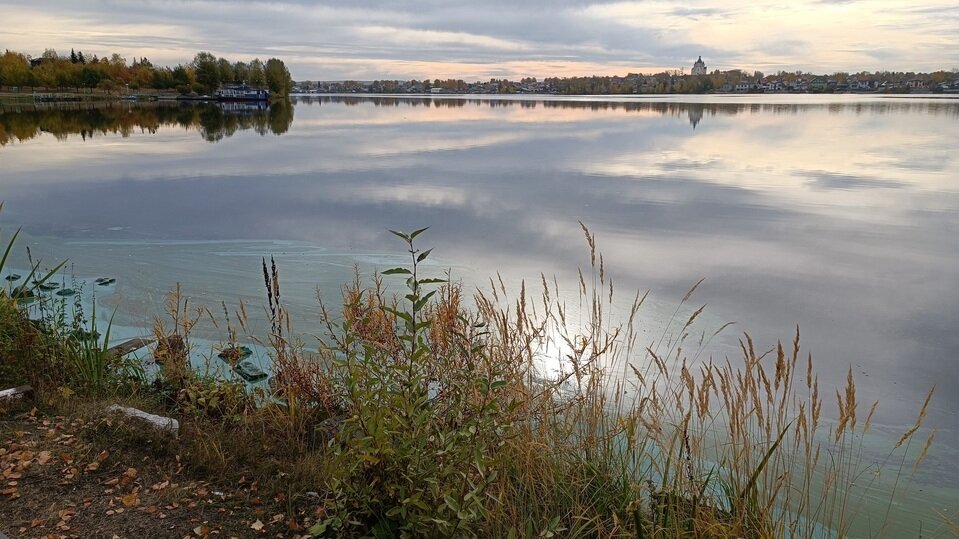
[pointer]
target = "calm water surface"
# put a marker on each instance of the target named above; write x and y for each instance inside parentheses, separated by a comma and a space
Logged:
(839, 213)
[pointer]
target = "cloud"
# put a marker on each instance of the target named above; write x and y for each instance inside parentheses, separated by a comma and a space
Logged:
(430, 38)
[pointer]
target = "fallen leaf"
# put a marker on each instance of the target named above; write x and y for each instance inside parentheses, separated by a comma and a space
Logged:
(132, 499)
(257, 526)
(44, 457)
(66, 514)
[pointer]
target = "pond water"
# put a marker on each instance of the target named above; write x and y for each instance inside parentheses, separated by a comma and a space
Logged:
(839, 214)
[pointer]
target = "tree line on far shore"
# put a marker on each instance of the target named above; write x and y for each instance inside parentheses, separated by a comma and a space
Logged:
(204, 75)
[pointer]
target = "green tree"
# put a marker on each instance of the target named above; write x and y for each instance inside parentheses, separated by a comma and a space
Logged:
(278, 78)
(257, 76)
(183, 79)
(89, 77)
(241, 72)
(225, 69)
(207, 72)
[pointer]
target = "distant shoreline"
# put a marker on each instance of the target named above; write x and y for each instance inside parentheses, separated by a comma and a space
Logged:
(153, 95)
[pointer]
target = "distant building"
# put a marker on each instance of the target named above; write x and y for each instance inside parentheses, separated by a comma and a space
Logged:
(699, 68)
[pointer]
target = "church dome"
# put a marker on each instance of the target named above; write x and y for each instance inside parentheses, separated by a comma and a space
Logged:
(699, 68)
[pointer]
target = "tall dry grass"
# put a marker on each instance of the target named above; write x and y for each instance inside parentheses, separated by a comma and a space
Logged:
(624, 438)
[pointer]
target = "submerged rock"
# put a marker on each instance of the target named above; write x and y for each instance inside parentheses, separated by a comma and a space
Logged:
(249, 372)
(66, 293)
(233, 354)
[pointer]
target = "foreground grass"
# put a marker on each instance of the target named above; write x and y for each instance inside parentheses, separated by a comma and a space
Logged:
(421, 416)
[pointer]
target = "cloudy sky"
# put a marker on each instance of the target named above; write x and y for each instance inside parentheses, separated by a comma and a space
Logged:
(367, 39)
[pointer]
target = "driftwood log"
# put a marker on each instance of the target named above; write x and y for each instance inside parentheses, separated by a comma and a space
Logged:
(22, 392)
(130, 346)
(158, 421)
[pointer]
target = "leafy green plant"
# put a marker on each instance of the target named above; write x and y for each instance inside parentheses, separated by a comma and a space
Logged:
(415, 454)
(214, 398)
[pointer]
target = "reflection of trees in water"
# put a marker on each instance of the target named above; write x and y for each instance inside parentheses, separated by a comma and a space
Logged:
(213, 121)
(694, 112)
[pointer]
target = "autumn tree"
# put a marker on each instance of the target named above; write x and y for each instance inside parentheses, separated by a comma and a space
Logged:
(15, 70)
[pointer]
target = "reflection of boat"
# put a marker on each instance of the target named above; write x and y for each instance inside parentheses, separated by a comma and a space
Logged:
(242, 93)
(244, 107)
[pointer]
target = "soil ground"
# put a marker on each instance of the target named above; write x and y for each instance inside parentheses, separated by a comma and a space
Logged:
(66, 477)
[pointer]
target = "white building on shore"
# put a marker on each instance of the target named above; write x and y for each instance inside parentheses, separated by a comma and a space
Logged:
(699, 68)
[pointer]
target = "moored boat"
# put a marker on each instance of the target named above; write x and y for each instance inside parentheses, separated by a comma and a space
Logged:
(242, 93)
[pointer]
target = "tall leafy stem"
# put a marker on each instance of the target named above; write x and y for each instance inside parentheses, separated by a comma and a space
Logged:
(412, 319)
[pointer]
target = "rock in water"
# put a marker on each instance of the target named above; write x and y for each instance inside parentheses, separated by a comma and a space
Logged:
(233, 354)
(249, 372)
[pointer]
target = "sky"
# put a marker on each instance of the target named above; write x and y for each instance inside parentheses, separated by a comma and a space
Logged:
(388, 39)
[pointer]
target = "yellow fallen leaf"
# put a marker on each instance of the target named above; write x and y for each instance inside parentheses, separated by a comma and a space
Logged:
(131, 500)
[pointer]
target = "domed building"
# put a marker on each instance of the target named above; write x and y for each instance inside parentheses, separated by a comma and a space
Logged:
(699, 68)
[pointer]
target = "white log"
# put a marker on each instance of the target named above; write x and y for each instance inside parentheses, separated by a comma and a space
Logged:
(160, 422)
(16, 392)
